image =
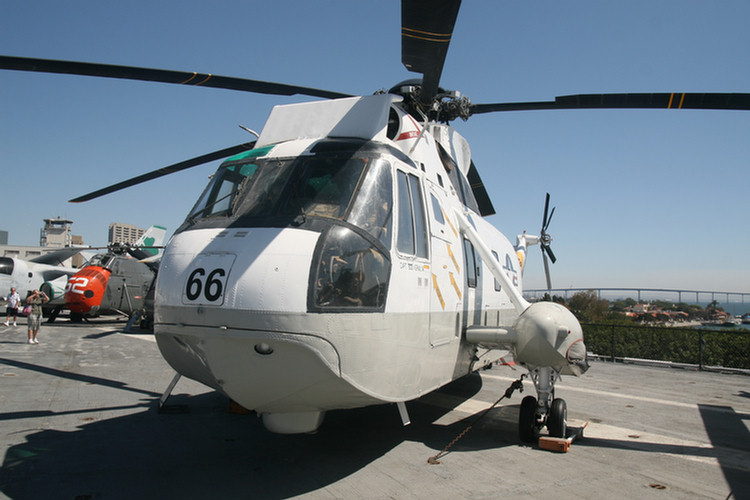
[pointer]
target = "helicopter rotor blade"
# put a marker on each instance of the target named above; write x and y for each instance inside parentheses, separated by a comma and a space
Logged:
(426, 30)
(546, 271)
(155, 174)
(480, 192)
(546, 249)
(544, 217)
(549, 219)
(545, 239)
(666, 100)
(160, 75)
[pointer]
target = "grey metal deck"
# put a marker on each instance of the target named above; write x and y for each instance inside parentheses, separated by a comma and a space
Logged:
(78, 420)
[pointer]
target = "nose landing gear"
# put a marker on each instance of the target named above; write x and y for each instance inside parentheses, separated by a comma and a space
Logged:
(546, 411)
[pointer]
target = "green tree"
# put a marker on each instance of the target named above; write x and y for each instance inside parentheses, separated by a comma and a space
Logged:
(588, 307)
(622, 304)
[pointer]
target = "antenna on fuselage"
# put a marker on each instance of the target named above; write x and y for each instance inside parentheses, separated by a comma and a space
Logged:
(256, 134)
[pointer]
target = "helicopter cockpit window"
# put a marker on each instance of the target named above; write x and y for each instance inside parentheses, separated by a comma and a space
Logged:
(6, 265)
(373, 206)
(470, 260)
(394, 124)
(322, 187)
(219, 195)
(412, 232)
(437, 212)
(307, 186)
(351, 269)
(351, 273)
(102, 260)
(498, 287)
(460, 184)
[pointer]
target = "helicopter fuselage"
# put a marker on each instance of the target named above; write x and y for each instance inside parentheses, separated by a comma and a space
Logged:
(111, 283)
(325, 268)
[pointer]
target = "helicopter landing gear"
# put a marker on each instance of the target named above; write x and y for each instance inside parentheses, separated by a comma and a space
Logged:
(545, 411)
(557, 420)
(528, 428)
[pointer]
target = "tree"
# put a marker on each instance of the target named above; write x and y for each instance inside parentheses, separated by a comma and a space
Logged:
(621, 305)
(588, 307)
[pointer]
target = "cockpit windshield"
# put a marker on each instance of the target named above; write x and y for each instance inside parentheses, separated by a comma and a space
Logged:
(218, 197)
(346, 195)
(6, 265)
(102, 260)
(321, 187)
(309, 186)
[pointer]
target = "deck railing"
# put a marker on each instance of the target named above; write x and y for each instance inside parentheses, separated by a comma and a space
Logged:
(704, 349)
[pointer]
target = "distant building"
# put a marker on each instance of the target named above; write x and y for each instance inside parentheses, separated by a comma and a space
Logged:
(124, 233)
(20, 252)
(77, 260)
(56, 233)
(28, 252)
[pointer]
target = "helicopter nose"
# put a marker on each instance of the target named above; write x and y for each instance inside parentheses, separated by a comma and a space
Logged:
(85, 289)
(218, 277)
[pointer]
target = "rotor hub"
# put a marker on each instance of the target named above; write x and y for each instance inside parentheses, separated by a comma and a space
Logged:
(446, 106)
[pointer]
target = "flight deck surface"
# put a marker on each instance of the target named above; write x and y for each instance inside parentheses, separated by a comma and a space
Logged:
(79, 420)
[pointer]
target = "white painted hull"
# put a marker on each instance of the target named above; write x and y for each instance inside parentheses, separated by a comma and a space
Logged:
(319, 361)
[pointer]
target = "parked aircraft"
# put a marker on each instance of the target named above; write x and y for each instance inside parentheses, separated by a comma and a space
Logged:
(44, 272)
(116, 281)
(341, 260)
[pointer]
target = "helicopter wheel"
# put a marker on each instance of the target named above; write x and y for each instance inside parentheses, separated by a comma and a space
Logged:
(146, 323)
(527, 427)
(557, 419)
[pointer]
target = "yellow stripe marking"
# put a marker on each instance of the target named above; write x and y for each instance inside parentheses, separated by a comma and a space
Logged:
(455, 286)
(671, 100)
(204, 81)
(437, 291)
(426, 35)
(449, 222)
(453, 258)
(186, 81)
(521, 258)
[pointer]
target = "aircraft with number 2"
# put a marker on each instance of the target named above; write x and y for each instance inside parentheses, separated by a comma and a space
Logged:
(342, 260)
(116, 281)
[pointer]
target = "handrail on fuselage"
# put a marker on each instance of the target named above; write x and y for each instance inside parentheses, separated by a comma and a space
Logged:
(468, 230)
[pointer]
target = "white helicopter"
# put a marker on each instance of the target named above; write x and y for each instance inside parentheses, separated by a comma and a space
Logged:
(45, 272)
(341, 260)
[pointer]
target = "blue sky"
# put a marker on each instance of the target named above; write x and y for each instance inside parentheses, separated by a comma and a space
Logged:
(645, 198)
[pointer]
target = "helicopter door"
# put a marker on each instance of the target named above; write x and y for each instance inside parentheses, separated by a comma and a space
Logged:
(445, 295)
(411, 279)
(115, 291)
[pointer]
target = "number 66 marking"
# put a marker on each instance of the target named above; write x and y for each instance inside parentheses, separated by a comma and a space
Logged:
(212, 288)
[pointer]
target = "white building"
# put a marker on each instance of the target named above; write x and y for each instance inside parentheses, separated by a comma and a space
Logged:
(124, 233)
(56, 233)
